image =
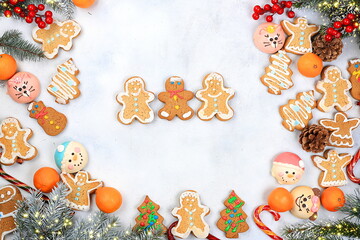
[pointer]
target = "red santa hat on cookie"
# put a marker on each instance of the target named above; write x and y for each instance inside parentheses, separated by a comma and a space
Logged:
(290, 160)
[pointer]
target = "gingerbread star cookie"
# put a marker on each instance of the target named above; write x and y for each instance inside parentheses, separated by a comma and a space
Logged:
(341, 128)
(354, 70)
(332, 166)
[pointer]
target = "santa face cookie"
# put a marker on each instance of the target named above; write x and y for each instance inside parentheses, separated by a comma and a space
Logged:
(23, 87)
(269, 37)
(14, 142)
(332, 167)
(9, 196)
(307, 202)
(354, 71)
(71, 157)
(335, 90)
(287, 168)
(300, 33)
(175, 99)
(191, 215)
(135, 101)
(55, 36)
(215, 98)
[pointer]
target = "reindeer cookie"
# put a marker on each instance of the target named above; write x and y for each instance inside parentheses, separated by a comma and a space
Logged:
(175, 99)
(269, 37)
(56, 35)
(9, 195)
(307, 202)
(135, 101)
(215, 98)
(80, 187)
(191, 216)
(354, 70)
(14, 142)
(335, 91)
(23, 87)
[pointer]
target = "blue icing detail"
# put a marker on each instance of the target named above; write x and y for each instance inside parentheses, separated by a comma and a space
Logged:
(55, 89)
(76, 199)
(301, 43)
(356, 65)
(282, 85)
(229, 221)
(281, 55)
(295, 108)
(335, 96)
(60, 155)
(179, 83)
(334, 90)
(70, 82)
(334, 85)
(151, 223)
(308, 109)
(335, 100)
(231, 215)
(302, 33)
(307, 98)
(63, 69)
(301, 38)
(33, 111)
(296, 122)
(234, 210)
(77, 194)
(273, 72)
(156, 217)
(136, 110)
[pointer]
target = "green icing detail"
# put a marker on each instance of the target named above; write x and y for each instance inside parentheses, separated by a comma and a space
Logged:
(231, 200)
(228, 210)
(227, 228)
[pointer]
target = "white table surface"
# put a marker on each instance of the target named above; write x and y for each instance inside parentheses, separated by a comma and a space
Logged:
(157, 39)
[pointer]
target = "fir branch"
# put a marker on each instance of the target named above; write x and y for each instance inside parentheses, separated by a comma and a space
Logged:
(13, 44)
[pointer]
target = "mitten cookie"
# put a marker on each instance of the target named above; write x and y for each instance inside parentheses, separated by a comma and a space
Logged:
(23, 87)
(71, 157)
(175, 99)
(191, 216)
(9, 196)
(14, 142)
(278, 74)
(332, 167)
(354, 70)
(65, 85)
(56, 35)
(135, 101)
(307, 202)
(215, 98)
(300, 33)
(48, 118)
(341, 128)
(335, 91)
(80, 187)
(298, 112)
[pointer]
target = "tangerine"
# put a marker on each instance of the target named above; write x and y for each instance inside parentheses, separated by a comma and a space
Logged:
(281, 200)
(310, 65)
(83, 3)
(108, 199)
(8, 66)
(45, 179)
(332, 199)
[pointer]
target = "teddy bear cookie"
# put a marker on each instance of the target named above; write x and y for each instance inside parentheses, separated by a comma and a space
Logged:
(80, 187)
(135, 101)
(14, 142)
(287, 168)
(191, 215)
(278, 75)
(332, 167)
(307, 202)
(23, 87)
(335, 91)
(215, 98)
(71, 157)
(9, 196)
(300, 34)
(64, 85)
(52, 121)
(354, 71)
(341, 129)
(175, 99)
(297, 113)
(55, 36)
(269, 37)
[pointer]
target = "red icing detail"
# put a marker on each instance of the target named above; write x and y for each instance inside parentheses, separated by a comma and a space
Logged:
(142, 224)
(225, 218)
(237, 201)
(146, 201)
(233, 225)
(232, 193)
(231, 207)
(149, 211)
(144, 217)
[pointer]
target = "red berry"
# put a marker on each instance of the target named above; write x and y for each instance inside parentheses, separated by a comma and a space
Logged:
(349, 29)
(280, 11)
(7, 13)
(267, 7)
(351, 16)
(330, 31)
(346, 21)
(262, 12)
(328, 38)
(269, 18)
(274, 1)
(276, 7)
(288, 4)
(49, 20)
(31, 7)
(255, 16)
(48, 14)
(337, 24)
(338, 35)
(29, 19)
(41, 24)
(38, 19)
(13, 2)
(22, 14)
(31, 14)
(17, 10)
(257, 9)
(291, 14)
(41, 7)
(283, 3)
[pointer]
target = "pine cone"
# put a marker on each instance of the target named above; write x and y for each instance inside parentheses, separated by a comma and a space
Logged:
(314, 138)
(327, 51)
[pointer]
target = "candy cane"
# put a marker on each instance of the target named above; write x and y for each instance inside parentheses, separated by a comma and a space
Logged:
(171, 236)
(351, 166)
(261, 225)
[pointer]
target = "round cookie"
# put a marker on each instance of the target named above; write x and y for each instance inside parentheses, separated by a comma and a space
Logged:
(23, 87)
(287, 168)
(71, 157)
(269, 37)
(307, 202)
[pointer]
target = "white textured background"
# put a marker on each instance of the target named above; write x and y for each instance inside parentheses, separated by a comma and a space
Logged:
(157, 39)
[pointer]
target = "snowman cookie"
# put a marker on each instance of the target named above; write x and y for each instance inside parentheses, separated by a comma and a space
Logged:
(23, 87)
(71, 157)
(287, 168)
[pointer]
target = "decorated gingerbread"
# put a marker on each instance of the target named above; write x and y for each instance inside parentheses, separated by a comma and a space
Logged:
(23, 87)
(191, 215)
(215, 98)
(354, 71)
(307, 202)
(287, 168)
(52, 121)
(175, 99)
(71, 157)
(269, 37)
(135, 101)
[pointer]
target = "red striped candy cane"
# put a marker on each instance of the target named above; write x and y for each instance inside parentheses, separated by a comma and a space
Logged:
(261, 225)
(351, 166)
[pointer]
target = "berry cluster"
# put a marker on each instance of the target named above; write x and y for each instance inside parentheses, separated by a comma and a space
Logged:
(347, 25)
(276, 8)
(29, 12)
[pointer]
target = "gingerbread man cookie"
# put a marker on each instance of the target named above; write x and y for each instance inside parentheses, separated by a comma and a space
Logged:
(191, 215)
(354, 70)
(335, 91)
(56, 35)
(175, 99)
(341, 128)
(9, 196)
(299, 41)
(215, 98)
(135, 101)
(332, 166)
(14, 142)
(52, 121)
(80, 187)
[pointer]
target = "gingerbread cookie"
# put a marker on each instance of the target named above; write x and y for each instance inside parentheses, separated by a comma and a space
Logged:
(287, 168)
(23, 87)
(191, 215)
(335, 91)
(299, 41)
(269, 37)
(135, 101)
(341, 128)
(278, 74)
(332, 168)
(297, 113)
(80, 187)
(14, 142)
(215, 98)
(65, 85)
(56, 35)
(307, 202)
(71, 157)
(48, 118)
(354, 70)
(9, 196)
